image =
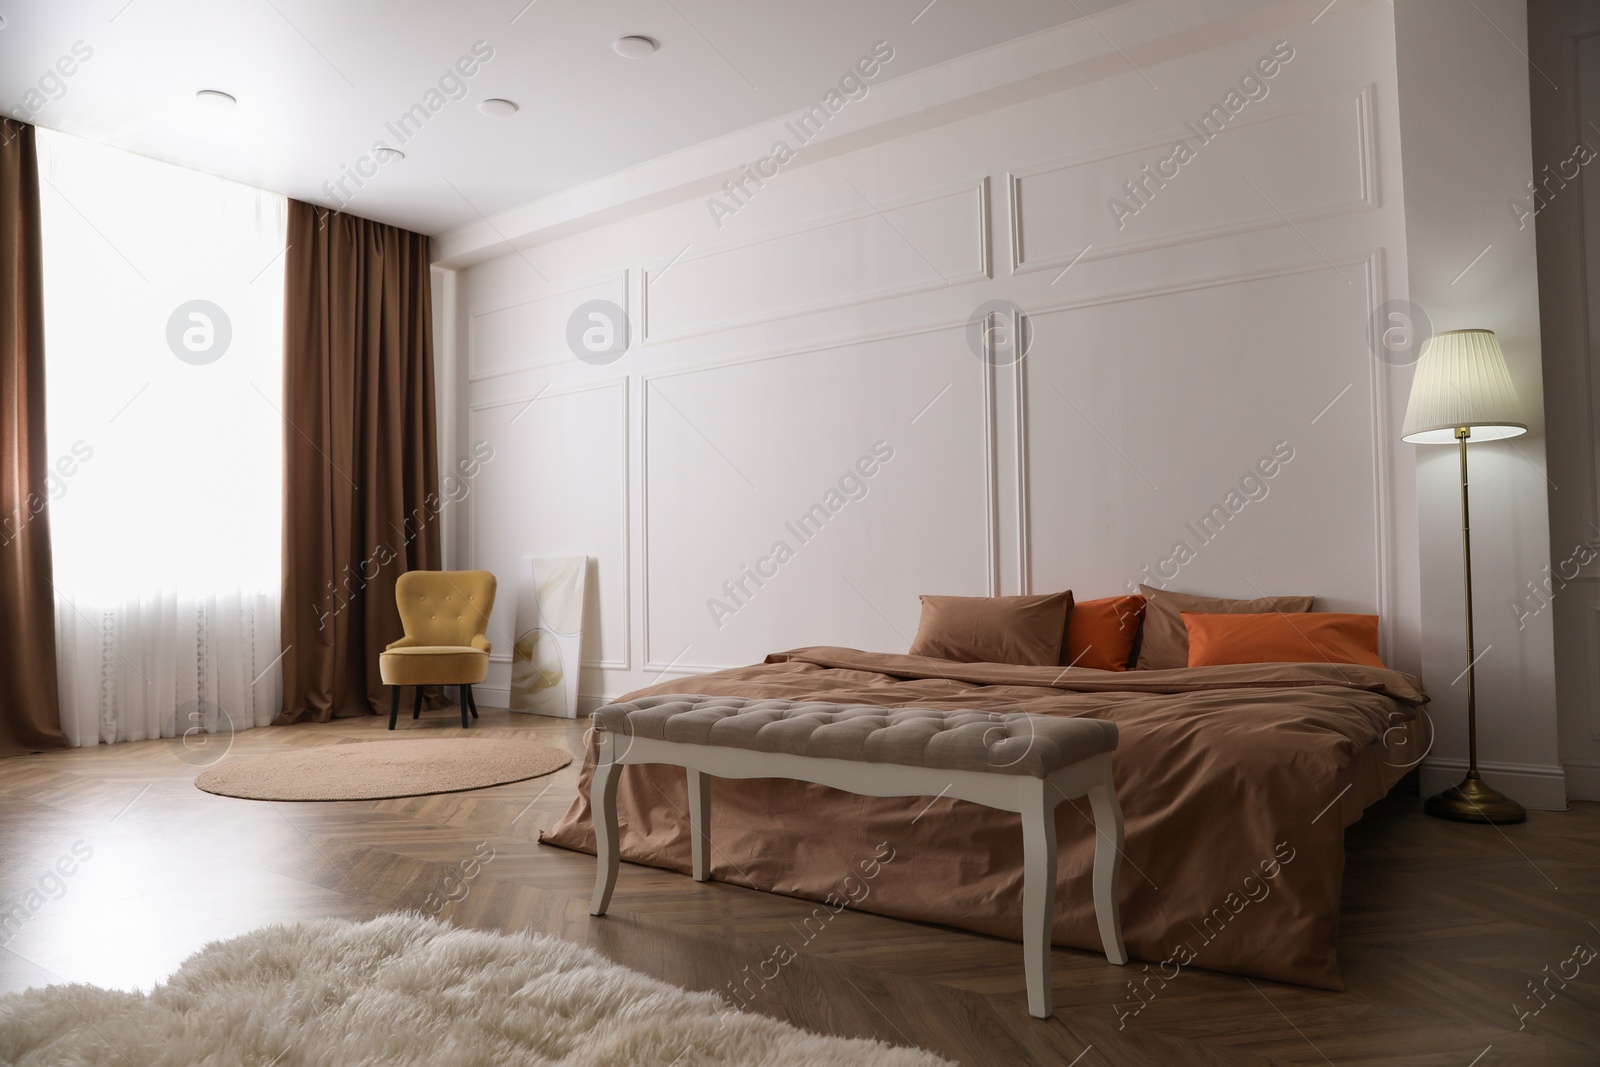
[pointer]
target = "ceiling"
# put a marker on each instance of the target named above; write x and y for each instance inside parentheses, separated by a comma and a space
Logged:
(318, 81)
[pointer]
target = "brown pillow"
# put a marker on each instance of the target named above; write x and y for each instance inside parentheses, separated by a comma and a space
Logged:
(1165, 645)
(1027, 630)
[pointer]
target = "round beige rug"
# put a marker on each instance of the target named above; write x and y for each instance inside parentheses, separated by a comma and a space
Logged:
(379, 770)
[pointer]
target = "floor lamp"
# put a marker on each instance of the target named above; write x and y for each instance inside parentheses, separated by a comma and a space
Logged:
(1463, 392)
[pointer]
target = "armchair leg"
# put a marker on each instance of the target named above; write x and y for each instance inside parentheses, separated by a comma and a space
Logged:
(394, 706)
(465, 701)
(472, 701)
(416, 705)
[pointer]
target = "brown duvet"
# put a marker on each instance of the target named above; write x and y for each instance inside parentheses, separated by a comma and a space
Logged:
(1236, 783)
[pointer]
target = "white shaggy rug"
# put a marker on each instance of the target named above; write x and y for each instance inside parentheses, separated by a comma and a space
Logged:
(404, 990)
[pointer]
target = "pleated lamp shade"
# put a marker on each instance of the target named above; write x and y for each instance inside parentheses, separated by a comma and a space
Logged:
(1462, 380)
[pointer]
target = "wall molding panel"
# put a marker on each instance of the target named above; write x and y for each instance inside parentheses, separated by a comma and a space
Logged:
(532, 334)
(1342, 171)
(659, 658)
(1368, 267)
(806, 253)
(1021, 326)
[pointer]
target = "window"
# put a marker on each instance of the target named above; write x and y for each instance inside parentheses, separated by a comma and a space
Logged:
(163, 339)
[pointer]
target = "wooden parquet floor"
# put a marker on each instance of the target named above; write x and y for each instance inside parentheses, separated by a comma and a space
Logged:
(1444, 926)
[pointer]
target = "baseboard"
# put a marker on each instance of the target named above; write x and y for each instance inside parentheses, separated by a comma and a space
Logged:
(1537, 786)
(1583, 779)
(492, 696)
(499, 696)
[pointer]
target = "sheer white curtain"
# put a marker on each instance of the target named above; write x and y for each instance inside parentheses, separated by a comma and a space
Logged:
(163, 336)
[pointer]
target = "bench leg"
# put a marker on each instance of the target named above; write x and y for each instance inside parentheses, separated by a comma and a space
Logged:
(700, 824)
(1108, 839)
(1038, 897)
(603, 810)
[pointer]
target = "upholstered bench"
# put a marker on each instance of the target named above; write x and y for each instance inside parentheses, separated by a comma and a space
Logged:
(1014, 762)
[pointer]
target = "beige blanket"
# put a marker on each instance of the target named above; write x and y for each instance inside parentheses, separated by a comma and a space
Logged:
(1236, 783)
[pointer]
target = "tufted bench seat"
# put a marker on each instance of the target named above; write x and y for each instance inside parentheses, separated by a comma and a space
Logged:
(1014, 762)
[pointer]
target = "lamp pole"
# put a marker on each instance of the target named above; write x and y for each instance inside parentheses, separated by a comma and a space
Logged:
(1462, 433)
(1473, 800)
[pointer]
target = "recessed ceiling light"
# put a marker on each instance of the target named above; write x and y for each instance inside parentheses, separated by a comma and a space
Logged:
(498, 107)
(215, 98)
(634, 47)
(388, 155)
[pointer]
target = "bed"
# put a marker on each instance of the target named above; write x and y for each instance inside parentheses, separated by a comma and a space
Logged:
(1236, 781)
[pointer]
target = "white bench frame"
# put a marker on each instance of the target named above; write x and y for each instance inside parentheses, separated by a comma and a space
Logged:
(1035, 799)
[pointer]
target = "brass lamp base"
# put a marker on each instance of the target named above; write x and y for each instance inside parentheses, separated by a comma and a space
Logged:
(1474, 801)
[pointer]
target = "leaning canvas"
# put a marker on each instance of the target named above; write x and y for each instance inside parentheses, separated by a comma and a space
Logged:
(544, 663)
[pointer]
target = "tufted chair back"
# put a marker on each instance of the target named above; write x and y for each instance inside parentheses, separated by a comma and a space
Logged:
(446, 607)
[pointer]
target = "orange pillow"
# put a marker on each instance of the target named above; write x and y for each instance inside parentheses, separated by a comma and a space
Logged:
(1278, 637)
(1165, 644)
(1100, 633)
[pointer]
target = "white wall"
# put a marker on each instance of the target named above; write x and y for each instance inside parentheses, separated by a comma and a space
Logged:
(831, 312)
(446, 306)
(1466, 146)
(1564, 41)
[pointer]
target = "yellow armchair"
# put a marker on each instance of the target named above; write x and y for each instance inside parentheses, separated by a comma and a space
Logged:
(446, 619)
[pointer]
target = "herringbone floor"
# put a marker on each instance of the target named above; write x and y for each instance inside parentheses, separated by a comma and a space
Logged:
(1445, 926)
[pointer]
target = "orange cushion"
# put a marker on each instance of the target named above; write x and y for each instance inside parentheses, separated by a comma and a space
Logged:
(1165, 645)
(1100, 633)
(1278, 637)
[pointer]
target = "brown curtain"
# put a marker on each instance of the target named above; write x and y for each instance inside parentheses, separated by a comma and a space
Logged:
(30, 715)
(361, 476)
